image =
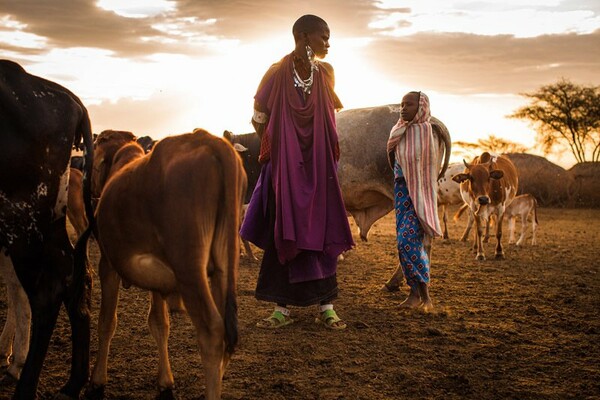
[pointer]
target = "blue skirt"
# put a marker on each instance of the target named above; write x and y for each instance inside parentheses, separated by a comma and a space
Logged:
(409, 235)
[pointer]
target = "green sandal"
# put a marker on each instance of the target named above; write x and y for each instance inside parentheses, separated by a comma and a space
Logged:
(274, 321)
(330, 320)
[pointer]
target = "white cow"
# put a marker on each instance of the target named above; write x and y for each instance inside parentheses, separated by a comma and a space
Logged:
(449, 193)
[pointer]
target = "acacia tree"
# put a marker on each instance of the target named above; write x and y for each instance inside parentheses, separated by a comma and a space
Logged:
(564, 113)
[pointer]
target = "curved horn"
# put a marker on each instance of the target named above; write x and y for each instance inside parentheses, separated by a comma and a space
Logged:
(442, 131)
(466, 165)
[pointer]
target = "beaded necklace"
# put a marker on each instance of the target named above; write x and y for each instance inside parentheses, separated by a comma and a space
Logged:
(306, 84)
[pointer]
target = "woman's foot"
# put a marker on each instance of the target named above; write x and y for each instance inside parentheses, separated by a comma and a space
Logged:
(276, 320)
(330, 320)
(427, 306)
(413, 300)
(426, 302)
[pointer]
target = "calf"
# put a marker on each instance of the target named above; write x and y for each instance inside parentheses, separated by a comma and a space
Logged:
(488, 185)
(168, 222)
(522, 206)
(41, 121)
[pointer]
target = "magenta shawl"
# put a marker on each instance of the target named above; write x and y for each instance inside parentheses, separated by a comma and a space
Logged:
(310, 213)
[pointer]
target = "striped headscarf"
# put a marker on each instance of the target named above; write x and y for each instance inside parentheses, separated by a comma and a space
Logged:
(414, 149)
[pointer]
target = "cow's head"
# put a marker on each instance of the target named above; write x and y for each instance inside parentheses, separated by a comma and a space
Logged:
(106, 146)
(477, 179)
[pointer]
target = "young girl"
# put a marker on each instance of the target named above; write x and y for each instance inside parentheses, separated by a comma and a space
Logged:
(412, 152)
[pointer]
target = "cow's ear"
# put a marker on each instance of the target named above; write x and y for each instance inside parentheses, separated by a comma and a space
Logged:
(496, 174)
(460, 178)
(239, 148)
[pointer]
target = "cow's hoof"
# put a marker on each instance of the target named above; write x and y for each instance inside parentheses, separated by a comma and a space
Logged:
(94, 392)
(166, 394)
(480, 257)
(500, 256)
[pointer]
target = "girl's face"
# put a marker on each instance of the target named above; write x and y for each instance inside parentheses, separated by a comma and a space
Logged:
(409, 106)
(319, 41)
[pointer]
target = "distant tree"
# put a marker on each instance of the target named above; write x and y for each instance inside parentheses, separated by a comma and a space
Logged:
(564, 113)
(492, 144)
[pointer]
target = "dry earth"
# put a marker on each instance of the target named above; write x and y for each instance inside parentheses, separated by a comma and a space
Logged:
(526, 327)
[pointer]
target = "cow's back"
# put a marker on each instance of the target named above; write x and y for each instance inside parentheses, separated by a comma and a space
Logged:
(179, 183)
(505, 189)
(38, 125)
(363, 165)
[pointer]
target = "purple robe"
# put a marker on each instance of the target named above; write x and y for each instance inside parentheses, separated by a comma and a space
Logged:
(310, 213)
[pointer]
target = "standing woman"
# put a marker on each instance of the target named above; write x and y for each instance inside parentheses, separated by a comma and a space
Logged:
(296, 213)
(412, 150)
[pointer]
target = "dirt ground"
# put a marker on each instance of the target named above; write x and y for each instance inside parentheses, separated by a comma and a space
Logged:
(527, 327)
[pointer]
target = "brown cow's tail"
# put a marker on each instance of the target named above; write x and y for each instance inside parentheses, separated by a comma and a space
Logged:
(460, 212)
(234, 189)
(535, 206)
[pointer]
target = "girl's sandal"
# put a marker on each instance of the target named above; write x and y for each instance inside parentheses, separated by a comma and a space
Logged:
(330, 320)
(274, 321)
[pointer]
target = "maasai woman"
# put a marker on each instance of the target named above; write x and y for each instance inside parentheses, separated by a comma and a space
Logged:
(411, 151)
(296, 213)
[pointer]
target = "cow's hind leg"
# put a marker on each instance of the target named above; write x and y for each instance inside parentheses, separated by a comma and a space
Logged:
(14, 340)
(107, 323)
(204, 302)
(534, 226)
(77, 301)
(43, 269)
(511, 230)
(158, 321)
(211, 333)
(524, 223)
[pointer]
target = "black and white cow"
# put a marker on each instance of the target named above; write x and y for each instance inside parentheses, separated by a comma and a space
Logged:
(248, 147)
(40, 121)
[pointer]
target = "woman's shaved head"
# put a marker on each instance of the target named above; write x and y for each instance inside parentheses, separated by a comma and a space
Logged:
(307, 24)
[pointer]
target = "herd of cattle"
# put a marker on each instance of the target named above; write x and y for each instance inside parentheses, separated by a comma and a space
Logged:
(166, 216)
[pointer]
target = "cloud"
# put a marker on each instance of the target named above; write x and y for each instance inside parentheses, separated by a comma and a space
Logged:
(66, 24)
(466, 63)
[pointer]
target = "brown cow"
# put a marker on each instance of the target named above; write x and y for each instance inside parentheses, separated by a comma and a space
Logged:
(488, 185)
(75, 205)
(168, 222)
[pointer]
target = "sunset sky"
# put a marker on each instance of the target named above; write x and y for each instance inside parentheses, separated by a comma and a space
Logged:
(158, 67)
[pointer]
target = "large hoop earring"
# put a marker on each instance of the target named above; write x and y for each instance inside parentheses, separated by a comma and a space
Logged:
(310, 54)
